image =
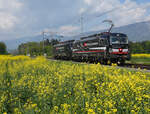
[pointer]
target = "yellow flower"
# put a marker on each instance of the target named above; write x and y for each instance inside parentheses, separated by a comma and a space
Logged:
(34, 105)
(114, 110)
(90, 111)
(122, 100)
(87, 104)
(132, 111)
(56, 108)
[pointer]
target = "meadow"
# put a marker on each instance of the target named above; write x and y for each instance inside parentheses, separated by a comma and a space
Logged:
(39, 85)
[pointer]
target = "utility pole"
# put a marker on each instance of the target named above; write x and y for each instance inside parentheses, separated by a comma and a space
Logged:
(43, 33)
(28, 51)
(47, 34)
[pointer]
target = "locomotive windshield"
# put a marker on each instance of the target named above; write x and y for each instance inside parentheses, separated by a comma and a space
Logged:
(123, 40)
(118, 40)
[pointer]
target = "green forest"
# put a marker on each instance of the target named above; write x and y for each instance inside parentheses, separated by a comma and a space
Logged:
(37, 48)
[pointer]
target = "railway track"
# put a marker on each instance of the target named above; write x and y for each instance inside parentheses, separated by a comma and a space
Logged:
(140, 66)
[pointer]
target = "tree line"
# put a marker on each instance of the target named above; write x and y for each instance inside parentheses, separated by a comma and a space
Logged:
(140, 47)
(37, 48)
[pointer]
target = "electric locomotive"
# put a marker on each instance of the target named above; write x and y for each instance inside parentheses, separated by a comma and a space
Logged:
(104, 47)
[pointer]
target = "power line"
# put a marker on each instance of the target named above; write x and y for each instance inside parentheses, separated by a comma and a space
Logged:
(83, 19)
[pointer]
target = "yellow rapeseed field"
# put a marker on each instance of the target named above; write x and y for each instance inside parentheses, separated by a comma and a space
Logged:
(43, 86)
(141, 55)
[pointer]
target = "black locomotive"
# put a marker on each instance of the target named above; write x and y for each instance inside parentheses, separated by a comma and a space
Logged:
(63, 50)
(104, 47)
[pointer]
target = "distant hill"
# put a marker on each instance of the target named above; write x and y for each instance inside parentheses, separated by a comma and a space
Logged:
(13, 44)
(136, 32)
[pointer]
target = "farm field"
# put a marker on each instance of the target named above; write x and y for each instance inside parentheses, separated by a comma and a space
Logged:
(140, 59)
(42, 86)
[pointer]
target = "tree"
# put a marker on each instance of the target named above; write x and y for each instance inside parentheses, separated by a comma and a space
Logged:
(37, 48)
(3, 48)
(140, 47)
(54, 41)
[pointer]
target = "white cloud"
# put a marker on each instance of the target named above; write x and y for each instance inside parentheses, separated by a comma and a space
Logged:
(82, 10)
(10, 5)
(68, 30)
(124, 13)
(147, 18)
(8, 9)
(129, 12)
(7, 21)
(101, 27)
(88, 2)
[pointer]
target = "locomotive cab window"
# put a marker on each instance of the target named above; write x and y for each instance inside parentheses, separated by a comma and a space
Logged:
(118, 40)
(124, 40)
(114, 40)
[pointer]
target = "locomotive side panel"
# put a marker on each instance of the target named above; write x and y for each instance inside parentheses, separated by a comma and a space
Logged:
(59, 51)
(92, 48)
(63, 50)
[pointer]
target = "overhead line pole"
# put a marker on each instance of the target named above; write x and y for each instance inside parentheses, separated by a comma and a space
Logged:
(43, 41)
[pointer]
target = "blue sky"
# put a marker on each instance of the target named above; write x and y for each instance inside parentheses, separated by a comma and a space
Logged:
(19, 18)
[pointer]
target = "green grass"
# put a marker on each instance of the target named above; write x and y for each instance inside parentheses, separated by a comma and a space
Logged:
(140, 61)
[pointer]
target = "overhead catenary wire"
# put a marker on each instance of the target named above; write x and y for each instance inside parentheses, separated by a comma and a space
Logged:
(86, 18)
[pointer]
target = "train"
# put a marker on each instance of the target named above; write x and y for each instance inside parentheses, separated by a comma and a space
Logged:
(104, 47)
